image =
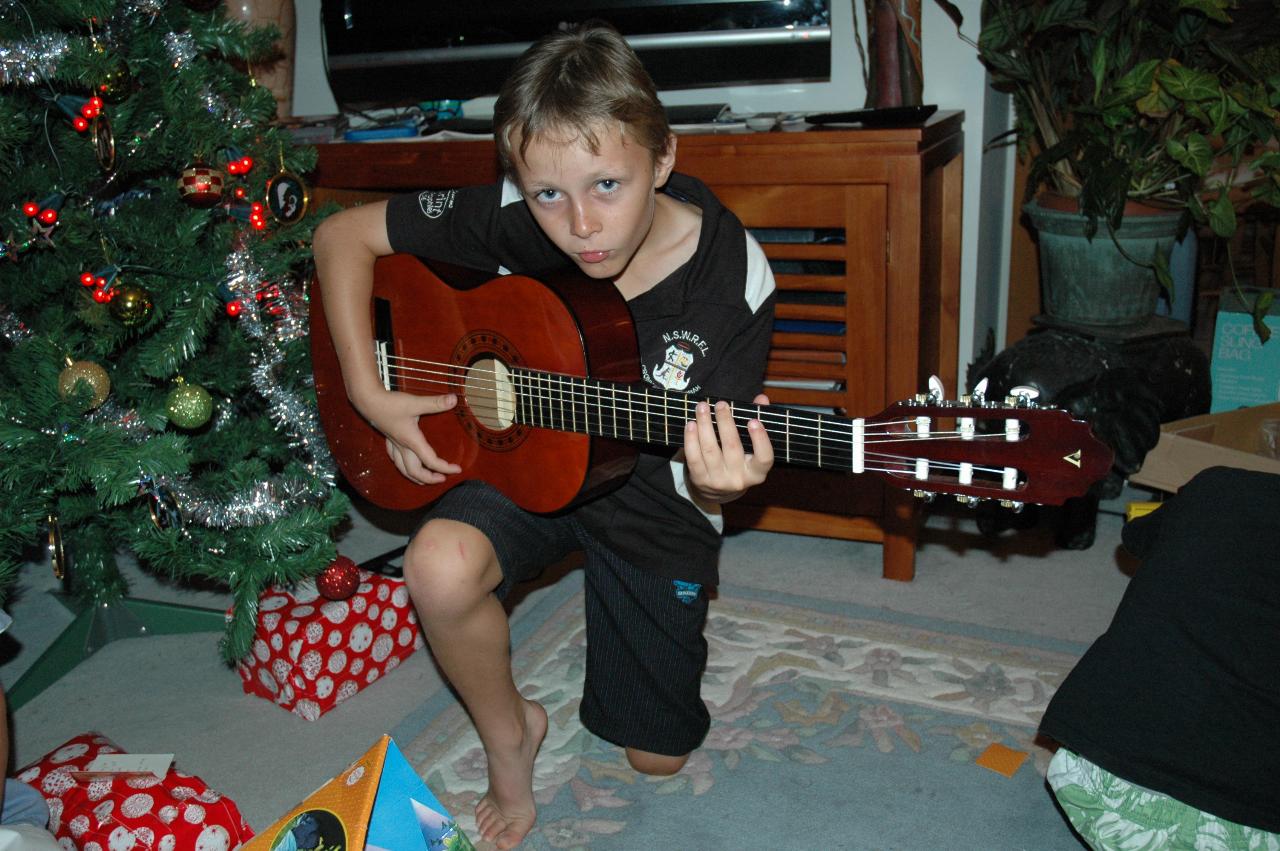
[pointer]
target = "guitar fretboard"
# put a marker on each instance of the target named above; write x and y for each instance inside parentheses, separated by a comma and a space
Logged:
(649, 415)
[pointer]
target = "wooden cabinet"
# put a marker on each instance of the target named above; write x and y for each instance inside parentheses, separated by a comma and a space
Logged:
(863, 229)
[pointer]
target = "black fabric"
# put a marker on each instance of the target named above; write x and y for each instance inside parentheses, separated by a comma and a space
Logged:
(701, 315)
(1181, 694)
(645, 648)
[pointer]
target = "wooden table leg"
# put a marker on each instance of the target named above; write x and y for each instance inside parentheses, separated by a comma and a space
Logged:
(901, 522)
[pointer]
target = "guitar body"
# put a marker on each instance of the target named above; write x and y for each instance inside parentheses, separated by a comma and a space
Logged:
(571, 325)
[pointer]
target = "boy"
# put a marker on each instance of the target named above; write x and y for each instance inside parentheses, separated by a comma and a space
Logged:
(588, 158)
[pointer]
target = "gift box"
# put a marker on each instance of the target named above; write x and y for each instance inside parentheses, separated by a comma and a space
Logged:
(379, 803)
(178, 812)
(310, 654)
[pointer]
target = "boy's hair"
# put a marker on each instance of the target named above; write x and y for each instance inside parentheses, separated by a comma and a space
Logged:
(577, 80)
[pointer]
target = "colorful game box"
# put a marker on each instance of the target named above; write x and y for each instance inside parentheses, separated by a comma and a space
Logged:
(378, 804)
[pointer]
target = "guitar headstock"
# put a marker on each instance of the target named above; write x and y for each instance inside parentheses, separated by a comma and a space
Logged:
(1011, 449)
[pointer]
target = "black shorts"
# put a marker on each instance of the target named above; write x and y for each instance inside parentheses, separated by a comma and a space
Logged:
(645, 647)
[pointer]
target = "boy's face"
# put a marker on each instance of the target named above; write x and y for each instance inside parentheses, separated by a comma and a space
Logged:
(597, 208)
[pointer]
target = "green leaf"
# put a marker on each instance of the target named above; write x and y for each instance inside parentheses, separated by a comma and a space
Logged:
(1252, 97)
(1260, 308)
(1196, 154)
(1222, 215)
(1098, 65)
(1188, 83)
(1215, 9)
(1060, 13)
(1269, 160)
(1157, 103)
(1136, 83)
(952, 11)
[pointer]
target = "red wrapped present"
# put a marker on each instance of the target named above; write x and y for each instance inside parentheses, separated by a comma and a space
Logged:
(131, 812)
(309, 653)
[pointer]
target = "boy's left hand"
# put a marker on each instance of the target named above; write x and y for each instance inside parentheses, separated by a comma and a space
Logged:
(720, 469)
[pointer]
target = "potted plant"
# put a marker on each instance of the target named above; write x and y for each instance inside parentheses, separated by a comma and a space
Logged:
(1132, 106)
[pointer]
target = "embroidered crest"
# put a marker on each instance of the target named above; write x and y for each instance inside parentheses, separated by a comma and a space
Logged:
(434, 203)
(673, 373)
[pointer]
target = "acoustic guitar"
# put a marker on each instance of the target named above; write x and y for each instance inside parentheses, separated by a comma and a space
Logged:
(551, 410)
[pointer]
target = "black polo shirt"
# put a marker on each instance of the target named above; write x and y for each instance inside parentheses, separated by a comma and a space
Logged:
(704, 330)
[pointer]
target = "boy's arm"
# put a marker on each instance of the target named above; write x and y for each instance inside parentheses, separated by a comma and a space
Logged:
(345, 247)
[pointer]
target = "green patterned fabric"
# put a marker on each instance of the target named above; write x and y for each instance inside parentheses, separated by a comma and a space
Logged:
(1113, 814)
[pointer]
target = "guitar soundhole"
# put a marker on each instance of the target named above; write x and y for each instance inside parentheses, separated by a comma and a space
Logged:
(488, 411)
(490, 394)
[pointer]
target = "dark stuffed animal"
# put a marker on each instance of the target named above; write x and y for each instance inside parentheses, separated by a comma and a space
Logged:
(1123, 390)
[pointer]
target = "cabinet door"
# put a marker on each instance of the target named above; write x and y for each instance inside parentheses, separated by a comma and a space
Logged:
(826, 245)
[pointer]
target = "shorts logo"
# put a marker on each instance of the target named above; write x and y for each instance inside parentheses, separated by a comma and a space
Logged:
(686, 592)
(434, 203)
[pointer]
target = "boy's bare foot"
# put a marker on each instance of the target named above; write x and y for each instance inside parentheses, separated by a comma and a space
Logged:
(506, 813)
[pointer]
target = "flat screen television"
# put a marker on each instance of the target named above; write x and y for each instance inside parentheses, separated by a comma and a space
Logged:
(754, 55)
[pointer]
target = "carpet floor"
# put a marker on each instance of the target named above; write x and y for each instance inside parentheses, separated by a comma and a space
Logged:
(847, 708)
(834, 726)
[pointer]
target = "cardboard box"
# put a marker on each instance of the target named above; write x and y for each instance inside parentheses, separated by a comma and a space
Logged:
(1228, 439)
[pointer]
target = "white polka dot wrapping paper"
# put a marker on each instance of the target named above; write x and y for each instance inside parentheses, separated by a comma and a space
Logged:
(309, 654)
(178, 812)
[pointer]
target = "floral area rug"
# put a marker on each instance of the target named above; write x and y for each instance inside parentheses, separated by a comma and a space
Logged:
(833, 727)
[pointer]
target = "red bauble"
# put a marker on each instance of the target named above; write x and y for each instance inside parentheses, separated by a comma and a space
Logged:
(339, 580)
(200, 185)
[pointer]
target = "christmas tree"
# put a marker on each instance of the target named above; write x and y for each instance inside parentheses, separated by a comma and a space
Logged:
(154, 241)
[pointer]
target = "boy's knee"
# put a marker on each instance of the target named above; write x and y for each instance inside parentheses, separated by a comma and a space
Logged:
(656, 764)
(448, 567)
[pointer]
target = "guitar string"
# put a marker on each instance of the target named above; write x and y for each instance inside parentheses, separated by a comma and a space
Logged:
(831, 434)
(797, 422)
(908, 462)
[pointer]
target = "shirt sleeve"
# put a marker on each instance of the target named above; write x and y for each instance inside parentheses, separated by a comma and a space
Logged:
(480, 227)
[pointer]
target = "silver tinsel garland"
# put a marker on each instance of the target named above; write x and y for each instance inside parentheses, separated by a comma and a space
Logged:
(12, 329)
(271, 323)
(32, 61)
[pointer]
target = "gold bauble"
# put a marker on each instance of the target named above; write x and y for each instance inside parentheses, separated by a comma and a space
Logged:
(89, 373)
(130, 305)
(116, 83)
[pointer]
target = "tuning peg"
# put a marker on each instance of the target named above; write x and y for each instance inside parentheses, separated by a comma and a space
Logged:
(1013, 505)
(926, 497)
(937, 392)
(968, 501)
(1022, 396)
(979, 394)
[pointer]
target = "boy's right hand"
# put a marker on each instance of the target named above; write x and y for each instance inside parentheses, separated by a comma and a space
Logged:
(396, 415)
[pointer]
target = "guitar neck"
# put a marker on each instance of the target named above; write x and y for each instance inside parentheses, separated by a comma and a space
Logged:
(644, 414)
